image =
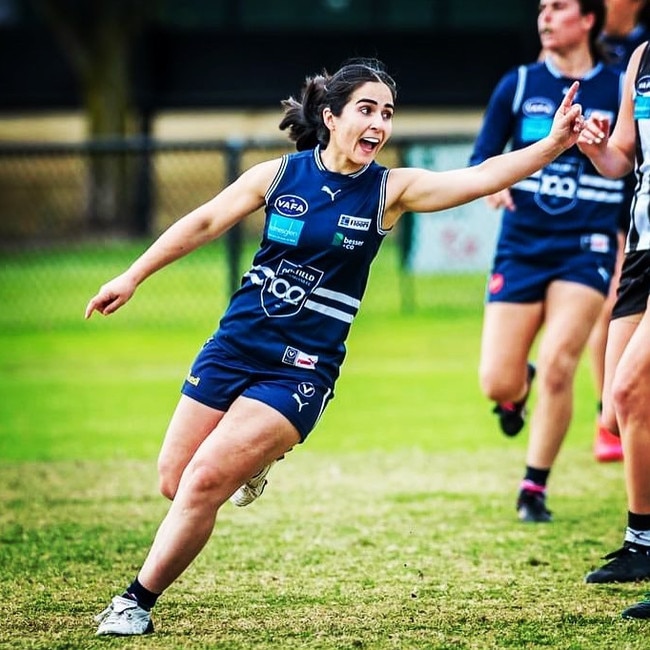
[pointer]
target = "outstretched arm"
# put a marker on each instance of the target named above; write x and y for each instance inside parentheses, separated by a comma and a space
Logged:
(421, 190)
(207, 222)
(614, 156)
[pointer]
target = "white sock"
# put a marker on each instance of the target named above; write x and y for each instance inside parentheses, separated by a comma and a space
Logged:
(641, 537)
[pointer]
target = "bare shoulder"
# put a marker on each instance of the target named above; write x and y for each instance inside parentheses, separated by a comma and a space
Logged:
(635, 59)
(406, 181)
(266, 169)
(261, 175)
(408, 189)
(400, 178)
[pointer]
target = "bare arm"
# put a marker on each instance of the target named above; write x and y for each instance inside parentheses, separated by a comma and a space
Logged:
(614, 156)
(421, 190)
(207, 222)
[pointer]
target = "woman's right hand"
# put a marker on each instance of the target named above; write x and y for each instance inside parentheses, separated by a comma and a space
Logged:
(112, 295)
(595, 134)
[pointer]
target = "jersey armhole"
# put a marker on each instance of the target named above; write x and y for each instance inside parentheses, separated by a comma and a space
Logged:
(277, 178)
(381, 207)
(522, 73)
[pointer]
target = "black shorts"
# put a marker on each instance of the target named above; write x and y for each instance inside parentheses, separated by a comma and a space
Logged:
(634, 285)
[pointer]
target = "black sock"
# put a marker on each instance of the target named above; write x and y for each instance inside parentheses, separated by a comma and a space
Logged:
(638, 522)
(537, 476)
(145, 598)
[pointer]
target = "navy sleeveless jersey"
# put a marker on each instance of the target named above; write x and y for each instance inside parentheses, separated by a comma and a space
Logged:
(296, 303)
(567, 206)
(618, 49)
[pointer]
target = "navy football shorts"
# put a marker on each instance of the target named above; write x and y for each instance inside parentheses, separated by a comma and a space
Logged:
(521, 280)
(219, 376)
(634, 285)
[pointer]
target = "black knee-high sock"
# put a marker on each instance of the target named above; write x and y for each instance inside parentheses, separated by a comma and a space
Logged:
(145, 598)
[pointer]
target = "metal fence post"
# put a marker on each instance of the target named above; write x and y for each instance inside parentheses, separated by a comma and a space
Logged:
(143, 212)
(234, 237)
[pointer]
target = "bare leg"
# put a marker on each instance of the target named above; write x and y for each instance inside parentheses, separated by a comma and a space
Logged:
(509, 330)
(571, 310)
(607, 446)
(598, 337)
(631, 399)
(620, 332)
(248, 437)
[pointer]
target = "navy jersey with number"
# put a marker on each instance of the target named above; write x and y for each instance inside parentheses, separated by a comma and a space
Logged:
(567, 206)
(296, 303)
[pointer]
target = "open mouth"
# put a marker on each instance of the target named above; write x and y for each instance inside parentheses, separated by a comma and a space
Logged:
(369, 144)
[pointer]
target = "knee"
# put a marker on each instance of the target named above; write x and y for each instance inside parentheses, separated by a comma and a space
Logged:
(499, 385)
(623, 399)
(168, 479)
(203, 483)
(558, 375)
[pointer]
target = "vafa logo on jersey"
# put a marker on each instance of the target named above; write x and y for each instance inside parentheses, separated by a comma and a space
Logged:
(290, 205)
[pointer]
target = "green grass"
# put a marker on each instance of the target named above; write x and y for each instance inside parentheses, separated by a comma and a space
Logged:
(392, 527)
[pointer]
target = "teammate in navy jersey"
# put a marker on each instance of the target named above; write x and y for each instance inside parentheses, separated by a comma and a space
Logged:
(556, 249)
(626, 403)
(260, 384)
(627, 25)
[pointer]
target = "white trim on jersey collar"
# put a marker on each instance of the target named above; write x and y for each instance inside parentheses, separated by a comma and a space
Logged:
(321, 166)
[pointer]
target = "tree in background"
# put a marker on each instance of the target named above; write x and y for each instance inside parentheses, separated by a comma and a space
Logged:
(99, 38)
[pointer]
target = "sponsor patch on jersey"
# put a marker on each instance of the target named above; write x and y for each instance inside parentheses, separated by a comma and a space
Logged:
(285, 291)
(300, 359)
(284, 230)
(290, 205)
(354, 223)
(558, 186)
(538, 107)
(348, 243)
(496, 283)
(641, 107)
(596, 242)
(535, 128)
(643, 85)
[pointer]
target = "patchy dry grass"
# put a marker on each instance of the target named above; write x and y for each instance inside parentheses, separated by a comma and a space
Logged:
(407, 549)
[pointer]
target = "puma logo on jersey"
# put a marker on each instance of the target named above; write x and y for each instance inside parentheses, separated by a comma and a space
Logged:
(328, 191)
(300, 402)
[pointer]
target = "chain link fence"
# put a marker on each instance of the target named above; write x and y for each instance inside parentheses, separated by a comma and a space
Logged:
(74, 215)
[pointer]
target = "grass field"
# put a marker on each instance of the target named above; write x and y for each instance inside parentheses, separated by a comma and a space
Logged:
(392, 527)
